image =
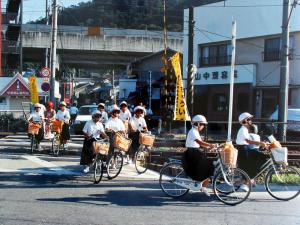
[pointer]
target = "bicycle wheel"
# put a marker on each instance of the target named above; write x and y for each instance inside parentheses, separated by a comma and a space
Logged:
(32, 143)
(98, 172)
(56, 145)
(114, 165)
(283, 182)
(169, 178)
(141, 160)
(232, 187)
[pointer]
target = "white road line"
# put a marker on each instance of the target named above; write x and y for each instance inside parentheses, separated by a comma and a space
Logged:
(38, 171)
(50, 166)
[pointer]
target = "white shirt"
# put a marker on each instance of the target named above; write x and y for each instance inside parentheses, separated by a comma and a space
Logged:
(192, 136)
(125, 115)
(138, 123)
(63, 116)
(115, 124)
(104, 117)
(242, 135)
(37, 116)
(93, 129)
(73, 110)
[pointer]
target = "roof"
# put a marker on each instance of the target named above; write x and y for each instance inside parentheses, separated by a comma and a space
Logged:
(6, 82)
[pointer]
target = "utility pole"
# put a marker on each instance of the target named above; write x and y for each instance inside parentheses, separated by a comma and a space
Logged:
(190, 80)
(150, 89)
(21, 41)
(53, 51)
(113, 84)
(233, 50)
(284, 72)
(47, 23)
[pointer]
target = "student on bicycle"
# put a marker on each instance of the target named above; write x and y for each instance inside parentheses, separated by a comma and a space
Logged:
(73, 112)
(249, 157)
(49, 118)
(38, 117)
(137, 125)
(104, 115)
(92, 130)
(195, 162)
(125, 114)
(114, 125)
(64, 115)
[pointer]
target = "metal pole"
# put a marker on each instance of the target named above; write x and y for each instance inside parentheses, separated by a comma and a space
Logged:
(150, 89)
(190, 86)
(53, 51)
(284, 72)
(47, 23)
(21, 41)
(233, 42)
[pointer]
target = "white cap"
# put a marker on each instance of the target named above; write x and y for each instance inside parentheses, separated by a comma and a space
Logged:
(63, 103)
(101, 104)
(114, 108)
(139, 108)
(199, 119)
(244, 116)
(96, 112)
(123, 103)
(37, 105)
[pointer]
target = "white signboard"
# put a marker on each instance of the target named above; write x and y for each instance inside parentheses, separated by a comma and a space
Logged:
(220, 75)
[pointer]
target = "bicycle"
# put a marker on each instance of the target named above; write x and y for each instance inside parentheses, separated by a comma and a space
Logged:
(143, 156)
(56, 141)
(227, 181)
(281, 181)
(33, 130)
(100, 161)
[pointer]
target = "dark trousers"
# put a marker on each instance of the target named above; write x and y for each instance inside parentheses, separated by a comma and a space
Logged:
(65, 132)
(250, 160)
(87, 154)
(197, 165)
(134, 136)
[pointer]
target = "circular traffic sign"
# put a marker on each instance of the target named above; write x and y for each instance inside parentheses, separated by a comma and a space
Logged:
(45, 86)
(45, 72)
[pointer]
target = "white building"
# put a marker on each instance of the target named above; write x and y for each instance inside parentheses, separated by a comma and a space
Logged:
(257, 57)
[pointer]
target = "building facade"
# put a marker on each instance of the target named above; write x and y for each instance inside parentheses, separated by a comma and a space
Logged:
(258, 48)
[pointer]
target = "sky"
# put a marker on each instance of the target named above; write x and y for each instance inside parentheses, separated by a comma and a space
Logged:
(34, 9)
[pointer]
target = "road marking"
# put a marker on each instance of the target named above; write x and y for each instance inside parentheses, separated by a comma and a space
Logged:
(38, 171)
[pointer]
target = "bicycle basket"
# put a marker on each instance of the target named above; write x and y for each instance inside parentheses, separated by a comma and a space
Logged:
(229, 156)
(101, 148)
(280, 154)
(57, 126)
(121, 142)
(33, 128)
(146, 139)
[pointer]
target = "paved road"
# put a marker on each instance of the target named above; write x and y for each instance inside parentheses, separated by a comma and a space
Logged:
(40, 189)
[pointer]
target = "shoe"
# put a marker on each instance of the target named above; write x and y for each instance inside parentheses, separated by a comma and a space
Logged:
(130, 161)
(253, 183)
(205, 191)
(66, 146)
(86, 169)
(38, 147)
(244, 188)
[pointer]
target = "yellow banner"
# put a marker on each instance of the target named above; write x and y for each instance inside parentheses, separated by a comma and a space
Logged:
(180, 110)
(33, 89)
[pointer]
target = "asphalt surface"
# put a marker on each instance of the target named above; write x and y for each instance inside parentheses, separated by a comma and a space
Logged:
(41, 189)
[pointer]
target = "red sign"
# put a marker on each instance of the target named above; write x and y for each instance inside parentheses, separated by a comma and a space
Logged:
(17, 89)
(45, 72)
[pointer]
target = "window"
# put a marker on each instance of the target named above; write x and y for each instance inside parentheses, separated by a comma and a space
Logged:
(213, 55)
(220, 102)
(272, 49)
(2, 101)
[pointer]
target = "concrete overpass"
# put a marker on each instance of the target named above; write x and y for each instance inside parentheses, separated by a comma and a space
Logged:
(111, 47)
